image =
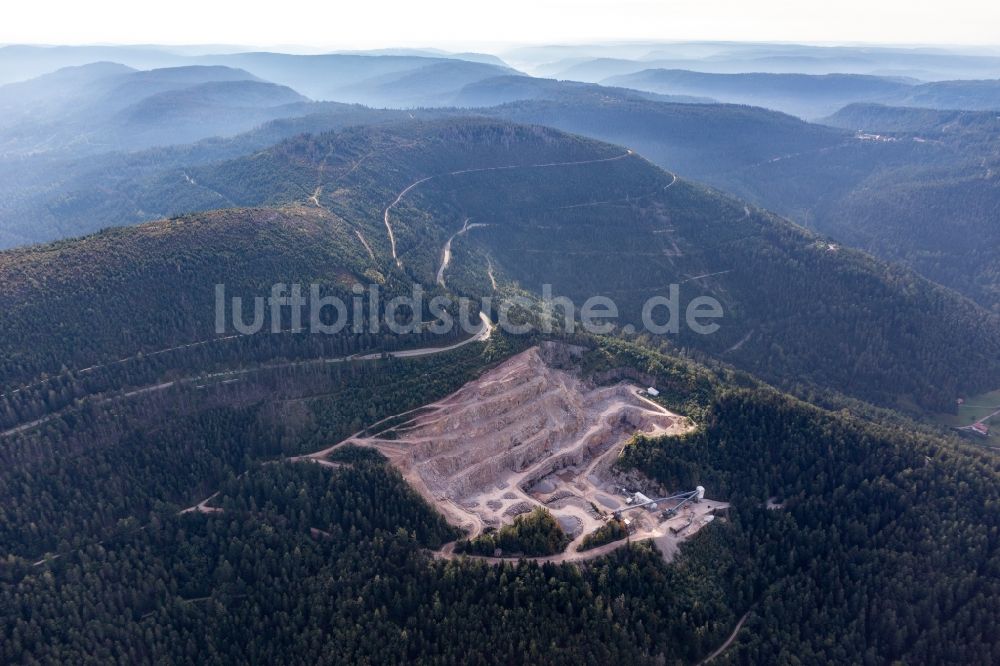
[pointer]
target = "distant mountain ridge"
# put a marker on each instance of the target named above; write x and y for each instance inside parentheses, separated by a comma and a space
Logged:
(375, 80)
(595, 62)
(884, 118)
(20, 62)
(916, 186)
(110, 107)
(854, 189)
(693, 139)
(815, 96)
(515, 88)
(606, 222)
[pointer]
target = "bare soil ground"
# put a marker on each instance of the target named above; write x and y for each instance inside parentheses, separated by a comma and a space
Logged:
(524, 435)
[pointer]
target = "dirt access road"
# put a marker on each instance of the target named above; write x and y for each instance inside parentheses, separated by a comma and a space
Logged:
(446, 252)
(482, 334)
(725, 646)
(406, 190)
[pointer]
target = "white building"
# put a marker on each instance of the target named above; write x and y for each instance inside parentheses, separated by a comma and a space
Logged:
(652, 392)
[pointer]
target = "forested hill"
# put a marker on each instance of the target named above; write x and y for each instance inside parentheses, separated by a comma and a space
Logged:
(700, 141)
(139, 289)
(882, 118)
(46, 198)
(880, 546)
(585, 217)
(105, 107)
(636, 234)
(815, 96)
(887, 196)
(875, 527)
(506, 89)
(915, 186)
(805, 95)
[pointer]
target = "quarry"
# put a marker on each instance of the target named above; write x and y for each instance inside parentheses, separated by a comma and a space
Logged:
(527, 434)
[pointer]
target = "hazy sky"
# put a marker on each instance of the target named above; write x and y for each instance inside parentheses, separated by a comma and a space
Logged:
(469, 24)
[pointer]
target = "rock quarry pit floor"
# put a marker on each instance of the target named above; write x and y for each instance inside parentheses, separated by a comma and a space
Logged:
(527, 434)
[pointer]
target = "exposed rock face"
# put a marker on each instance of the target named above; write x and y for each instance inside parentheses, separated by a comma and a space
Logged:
(527, 435)
(523, 416)
(518, 509)
(559, 355)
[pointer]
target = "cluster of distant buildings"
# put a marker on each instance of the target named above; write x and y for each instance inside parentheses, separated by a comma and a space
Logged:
(979, 428)
(976, 430)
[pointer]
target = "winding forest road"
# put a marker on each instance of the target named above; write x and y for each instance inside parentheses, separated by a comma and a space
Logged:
(484, 333)
(729, 641)
(989, 416)
(481, 335)
(392, 241)
(388, 225)
(460, 172)
(446, 252)
(447, 552)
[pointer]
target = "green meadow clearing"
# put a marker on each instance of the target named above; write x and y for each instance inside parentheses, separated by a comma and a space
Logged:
(975, 408)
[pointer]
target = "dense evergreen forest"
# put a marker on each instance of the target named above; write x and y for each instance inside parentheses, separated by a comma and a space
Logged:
(916, 186)
(153, 508)
(91, 473)
(885, 547)
(795, 305)
(299, 562)
(305, 564)
(531, 534)
(613, 530)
